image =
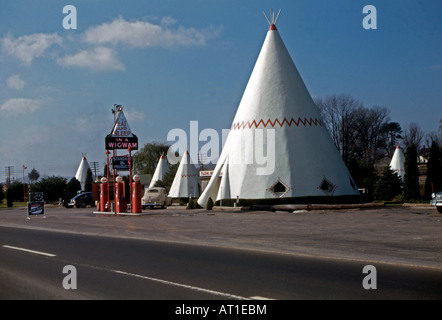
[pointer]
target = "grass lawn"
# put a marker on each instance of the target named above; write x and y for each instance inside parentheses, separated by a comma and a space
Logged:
(14, 205)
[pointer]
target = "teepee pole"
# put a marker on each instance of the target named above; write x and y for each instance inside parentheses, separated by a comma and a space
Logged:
(279, 12)
(267, 18)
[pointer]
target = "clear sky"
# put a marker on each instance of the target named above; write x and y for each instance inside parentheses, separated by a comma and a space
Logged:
(170, 62)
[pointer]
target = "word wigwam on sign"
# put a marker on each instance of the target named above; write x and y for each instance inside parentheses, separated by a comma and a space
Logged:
(121, 137)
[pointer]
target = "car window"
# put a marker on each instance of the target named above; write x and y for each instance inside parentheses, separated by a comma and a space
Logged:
(83, 196)
(153, 191)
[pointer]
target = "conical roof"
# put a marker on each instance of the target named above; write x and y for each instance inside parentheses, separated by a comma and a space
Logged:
(82, 172)
(186, 181)
(160, 171)
(278, 146)
(397, 162)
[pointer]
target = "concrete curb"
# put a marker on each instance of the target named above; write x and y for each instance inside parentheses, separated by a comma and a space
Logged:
(298, 207)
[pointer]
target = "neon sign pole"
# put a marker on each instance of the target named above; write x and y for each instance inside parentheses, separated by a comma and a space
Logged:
(117, 107)
(130, 175)
(107, 169)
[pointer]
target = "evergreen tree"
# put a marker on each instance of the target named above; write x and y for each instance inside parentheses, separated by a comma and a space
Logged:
(52, 187)
(433, 183)
(33, 175)
(15, 192)
(89, 181)
(2, 195)
(363, 173)
(210, 204)
(388, 186)
(411, 177)
(159, 183)
(71, 190)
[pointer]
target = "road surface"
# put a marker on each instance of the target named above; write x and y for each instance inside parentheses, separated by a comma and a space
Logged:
(32, 263)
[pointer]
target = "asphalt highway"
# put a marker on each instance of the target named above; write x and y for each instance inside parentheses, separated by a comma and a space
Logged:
(32, 264)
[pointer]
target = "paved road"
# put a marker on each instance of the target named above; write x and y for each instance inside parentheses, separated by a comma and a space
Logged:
(118, 268)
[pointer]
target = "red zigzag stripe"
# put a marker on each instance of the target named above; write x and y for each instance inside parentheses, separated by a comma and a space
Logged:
(300, 121)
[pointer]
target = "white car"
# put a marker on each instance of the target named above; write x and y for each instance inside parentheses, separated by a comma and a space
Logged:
(155, 197)
(436, 200)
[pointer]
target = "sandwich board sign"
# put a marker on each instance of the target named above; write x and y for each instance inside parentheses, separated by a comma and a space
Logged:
(37, 205)
(121, 136)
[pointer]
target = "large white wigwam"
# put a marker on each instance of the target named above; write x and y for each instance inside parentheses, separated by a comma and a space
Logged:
(186, 181)
(397, 163)
(278, 148)
(160, 171)
(82, 172)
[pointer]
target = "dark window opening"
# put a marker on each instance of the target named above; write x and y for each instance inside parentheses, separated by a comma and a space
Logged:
(326, 186)
(279, 187)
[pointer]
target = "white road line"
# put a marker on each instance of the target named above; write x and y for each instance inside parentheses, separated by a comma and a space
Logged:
(218, 293)
(30, 251)
(223, 294)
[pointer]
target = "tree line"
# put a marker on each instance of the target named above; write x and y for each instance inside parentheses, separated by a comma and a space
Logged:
(53, 188)
(365, 135)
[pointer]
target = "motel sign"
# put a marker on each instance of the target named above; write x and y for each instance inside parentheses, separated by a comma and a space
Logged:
(121, 136)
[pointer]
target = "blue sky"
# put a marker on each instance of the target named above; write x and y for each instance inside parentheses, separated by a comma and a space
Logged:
(171, 62)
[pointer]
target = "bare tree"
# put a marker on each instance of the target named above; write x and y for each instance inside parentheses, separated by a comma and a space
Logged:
(371, 136)
(393, 131)
(357, 131)
(338, 112)
(413, 135)
(440, 128)
(431, 137)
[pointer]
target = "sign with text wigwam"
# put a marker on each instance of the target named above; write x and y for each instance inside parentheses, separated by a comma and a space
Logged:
(121, 136)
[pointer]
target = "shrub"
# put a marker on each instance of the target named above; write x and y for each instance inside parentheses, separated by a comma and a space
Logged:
(388, 186)
(411, 177)
(190, 204)
(210, 204)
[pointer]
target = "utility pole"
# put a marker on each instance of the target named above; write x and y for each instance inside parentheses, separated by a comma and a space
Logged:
(9, 171)
(95, 167)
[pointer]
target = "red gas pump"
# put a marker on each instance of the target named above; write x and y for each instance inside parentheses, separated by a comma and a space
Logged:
(136, 195)
(120, 202)
(104, 206)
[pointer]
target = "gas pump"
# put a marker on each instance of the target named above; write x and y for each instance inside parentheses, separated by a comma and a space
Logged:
(120, 201)
(104, 206)
(136, 195)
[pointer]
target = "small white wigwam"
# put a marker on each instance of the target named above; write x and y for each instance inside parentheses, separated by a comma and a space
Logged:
(186, 181)
(397, 162)
(278, 150)
(82, 171)
(160, 171)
